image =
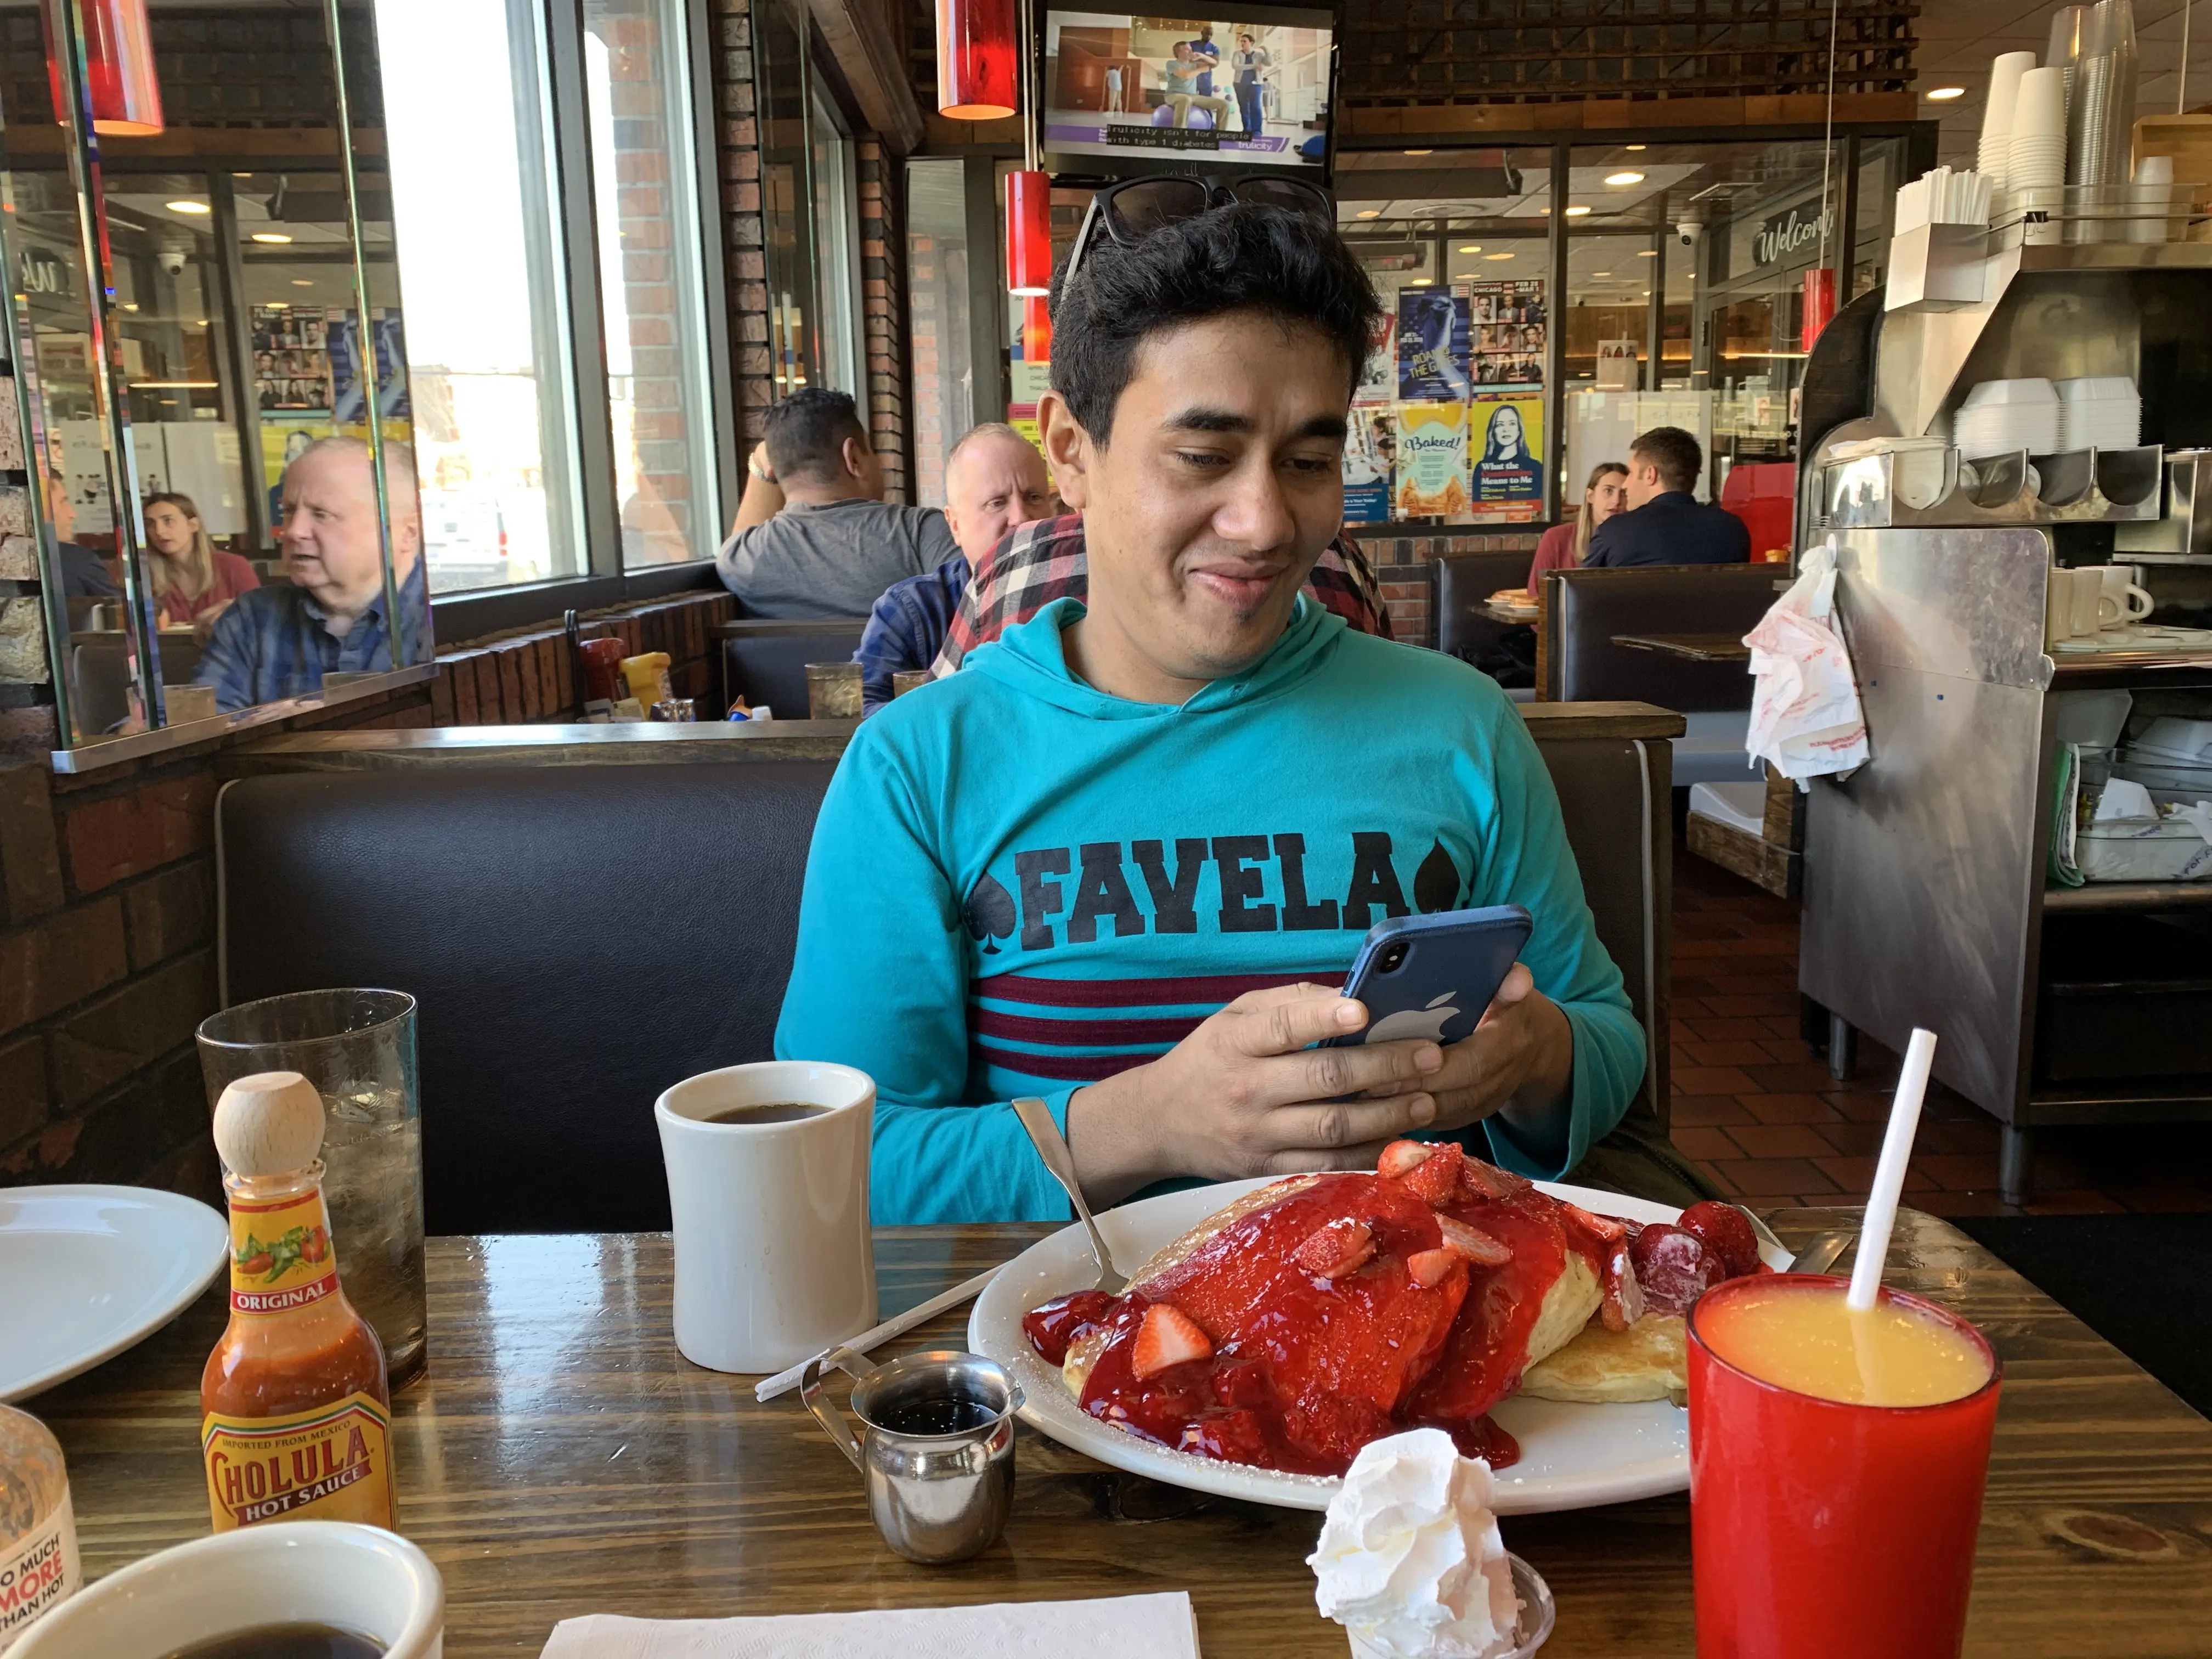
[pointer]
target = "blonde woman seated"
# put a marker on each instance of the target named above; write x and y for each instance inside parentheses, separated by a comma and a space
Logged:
(194, 581)
(1183, 73)
(1564, 546)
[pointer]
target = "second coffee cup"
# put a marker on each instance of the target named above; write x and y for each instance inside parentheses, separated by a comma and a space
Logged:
(768, 1187)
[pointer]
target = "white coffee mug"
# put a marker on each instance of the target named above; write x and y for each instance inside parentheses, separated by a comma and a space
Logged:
(282, 1572)
(2120, 600)
(2088, 601)
(2063, 617)
(773, 1261)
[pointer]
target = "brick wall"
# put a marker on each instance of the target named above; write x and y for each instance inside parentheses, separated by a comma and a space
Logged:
(883, 314)
(743, 242)
(1402, 564)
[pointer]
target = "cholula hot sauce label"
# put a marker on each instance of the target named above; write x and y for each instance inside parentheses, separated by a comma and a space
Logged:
(331, 1462)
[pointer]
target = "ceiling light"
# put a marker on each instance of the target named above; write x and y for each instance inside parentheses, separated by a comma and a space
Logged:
(278, 305)
(1497, 256)
(303, 282)
(1647, 253)
(1940, 95)
(1472, 247)
(130, 305)
(188, 207)
(1617, 179)
(1370, 212)
(1423, 281)
(270, 236)
(1420, 152)
(1601, 273)
(1576, 212)
(1636, 147)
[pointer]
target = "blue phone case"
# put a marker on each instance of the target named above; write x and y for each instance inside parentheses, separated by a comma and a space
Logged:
(1455, 961)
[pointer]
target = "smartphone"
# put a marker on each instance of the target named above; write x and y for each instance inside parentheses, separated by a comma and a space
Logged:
(1432, 976)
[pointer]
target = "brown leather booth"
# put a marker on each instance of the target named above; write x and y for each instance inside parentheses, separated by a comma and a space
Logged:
(764, 661)
(1462, 581)
(1584, 608)
(581, 931)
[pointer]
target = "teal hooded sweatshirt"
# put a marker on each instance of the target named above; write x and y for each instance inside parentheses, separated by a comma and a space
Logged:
(1020, 884)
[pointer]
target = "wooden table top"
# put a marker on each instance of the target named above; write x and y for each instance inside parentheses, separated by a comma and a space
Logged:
(1515, 617)
(560, 1458)
(1697, 648)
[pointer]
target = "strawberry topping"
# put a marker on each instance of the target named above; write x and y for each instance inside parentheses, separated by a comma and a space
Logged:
(1402, 1157)
(1430, 1269)
(1435, 1179)
(1168, 1337)
(1726, 1231)
(1476, 1245)
(1343, 1246)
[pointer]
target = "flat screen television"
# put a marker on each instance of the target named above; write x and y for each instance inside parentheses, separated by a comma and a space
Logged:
(1242, 91)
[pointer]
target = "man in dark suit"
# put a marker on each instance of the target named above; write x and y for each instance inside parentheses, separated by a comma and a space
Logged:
(1665, 523)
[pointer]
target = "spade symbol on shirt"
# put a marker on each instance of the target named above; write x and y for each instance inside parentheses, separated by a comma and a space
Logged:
(989, 913)
(1436, 884)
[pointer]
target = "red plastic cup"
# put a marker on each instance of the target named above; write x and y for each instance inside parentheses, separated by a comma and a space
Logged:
(1822, 1530)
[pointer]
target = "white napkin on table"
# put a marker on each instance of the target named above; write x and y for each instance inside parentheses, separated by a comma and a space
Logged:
(1110, 1627)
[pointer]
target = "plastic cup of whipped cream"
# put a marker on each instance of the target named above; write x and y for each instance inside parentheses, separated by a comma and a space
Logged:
(1411, 1564)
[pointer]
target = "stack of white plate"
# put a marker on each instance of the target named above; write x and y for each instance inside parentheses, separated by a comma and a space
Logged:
(2100, 411)
(2000, 417)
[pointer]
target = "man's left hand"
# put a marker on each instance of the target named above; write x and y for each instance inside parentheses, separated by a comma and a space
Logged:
(1519, 1060)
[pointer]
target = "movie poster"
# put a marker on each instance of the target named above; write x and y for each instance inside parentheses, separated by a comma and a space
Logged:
(349, 393)
(1505, 444)
(1432, 345)
(1506, 330)
(1370, 455)
(1378, 376)
(1432, 460)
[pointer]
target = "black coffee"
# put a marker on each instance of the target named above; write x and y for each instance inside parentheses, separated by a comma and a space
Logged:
(944, 1413)
(286, 1641)
(772, 1111)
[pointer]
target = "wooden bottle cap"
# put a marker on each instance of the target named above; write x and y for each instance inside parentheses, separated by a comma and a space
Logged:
(269, 1124)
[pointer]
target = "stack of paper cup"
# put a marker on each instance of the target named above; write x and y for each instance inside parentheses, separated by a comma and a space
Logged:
(2153, 198)
(1991, 159)
(2035, 149)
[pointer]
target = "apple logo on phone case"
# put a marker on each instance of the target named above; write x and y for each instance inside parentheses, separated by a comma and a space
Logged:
(1427, 1022)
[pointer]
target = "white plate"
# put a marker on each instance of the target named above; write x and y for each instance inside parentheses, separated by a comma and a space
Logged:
(85, 1272)
(1571, 1456)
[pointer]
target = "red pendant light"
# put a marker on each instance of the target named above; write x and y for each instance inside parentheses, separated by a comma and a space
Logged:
(977, 59)
(118, 65)
(1820, 306)
(1036, 330)
(1029, 234)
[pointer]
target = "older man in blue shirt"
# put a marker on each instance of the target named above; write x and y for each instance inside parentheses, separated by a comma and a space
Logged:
(330, 617)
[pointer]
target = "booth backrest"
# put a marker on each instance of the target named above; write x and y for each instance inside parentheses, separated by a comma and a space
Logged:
(1463, 581)
(1584, 608)
(766, 662)
(579, 938)
(100, 675)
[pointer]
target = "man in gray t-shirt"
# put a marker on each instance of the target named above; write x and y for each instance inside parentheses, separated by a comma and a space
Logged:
(814, 537)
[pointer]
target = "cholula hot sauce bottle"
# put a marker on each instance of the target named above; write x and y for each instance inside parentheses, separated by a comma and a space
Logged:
(295, 1410)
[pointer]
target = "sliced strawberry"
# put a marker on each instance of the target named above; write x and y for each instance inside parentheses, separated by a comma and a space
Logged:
(1435, 1179)
(1479, 1182)
(1623, 1294)
(1603, 1228)
(1476, 1245)
(1429, 1268)
(1402, 1157)
(1168, 1337)
(1343, 1246)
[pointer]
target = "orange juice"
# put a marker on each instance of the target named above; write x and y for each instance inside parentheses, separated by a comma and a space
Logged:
(1809, 1342)
(1836, 1470)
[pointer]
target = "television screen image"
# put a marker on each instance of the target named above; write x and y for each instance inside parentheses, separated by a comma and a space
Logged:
(1246, 90)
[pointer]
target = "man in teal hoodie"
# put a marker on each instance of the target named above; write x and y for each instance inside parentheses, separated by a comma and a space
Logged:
(1123, 858)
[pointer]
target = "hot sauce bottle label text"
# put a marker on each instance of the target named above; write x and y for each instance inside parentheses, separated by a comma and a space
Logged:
(280, 1254)
(333, 1464)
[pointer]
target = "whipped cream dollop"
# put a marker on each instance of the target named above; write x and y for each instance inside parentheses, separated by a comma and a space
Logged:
(1410, 1560)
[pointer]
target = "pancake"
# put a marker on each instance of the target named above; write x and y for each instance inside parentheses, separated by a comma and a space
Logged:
(1571, 1304)
(1650, 1360)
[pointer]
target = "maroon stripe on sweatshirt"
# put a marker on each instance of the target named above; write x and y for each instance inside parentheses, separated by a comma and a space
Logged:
(1143, 993)
(1084, 1033)
(1066, 1069)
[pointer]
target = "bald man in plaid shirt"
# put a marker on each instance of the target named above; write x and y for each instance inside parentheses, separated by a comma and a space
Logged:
(1043, 562)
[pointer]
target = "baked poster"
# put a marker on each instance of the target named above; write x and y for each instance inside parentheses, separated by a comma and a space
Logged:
(1432, 460)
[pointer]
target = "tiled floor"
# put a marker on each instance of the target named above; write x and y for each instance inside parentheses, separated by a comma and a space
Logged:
(1755, 1105)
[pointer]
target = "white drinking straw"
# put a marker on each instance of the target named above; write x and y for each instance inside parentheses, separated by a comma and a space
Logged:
(1889, 1173)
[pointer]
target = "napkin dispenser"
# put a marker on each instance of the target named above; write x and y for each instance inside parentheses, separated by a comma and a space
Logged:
(2185, 529)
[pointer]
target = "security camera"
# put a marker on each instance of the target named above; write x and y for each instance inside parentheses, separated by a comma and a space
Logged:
(172, 261)
(1687, 233)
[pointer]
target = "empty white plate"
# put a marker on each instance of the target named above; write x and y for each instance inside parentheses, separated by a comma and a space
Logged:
(85, 1272)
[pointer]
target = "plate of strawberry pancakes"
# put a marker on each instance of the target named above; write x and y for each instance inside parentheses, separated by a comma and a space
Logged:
(1276, 1325)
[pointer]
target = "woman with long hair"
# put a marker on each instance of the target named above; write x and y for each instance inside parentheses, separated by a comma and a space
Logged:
(1564, 546)
(193, 580)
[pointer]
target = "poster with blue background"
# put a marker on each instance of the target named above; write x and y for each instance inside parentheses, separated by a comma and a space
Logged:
(1432, 346)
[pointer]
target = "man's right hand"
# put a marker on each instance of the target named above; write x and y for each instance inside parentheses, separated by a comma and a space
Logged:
(1245, 1095)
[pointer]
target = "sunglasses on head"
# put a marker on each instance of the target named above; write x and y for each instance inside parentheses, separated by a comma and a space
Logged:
(1127, 213)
